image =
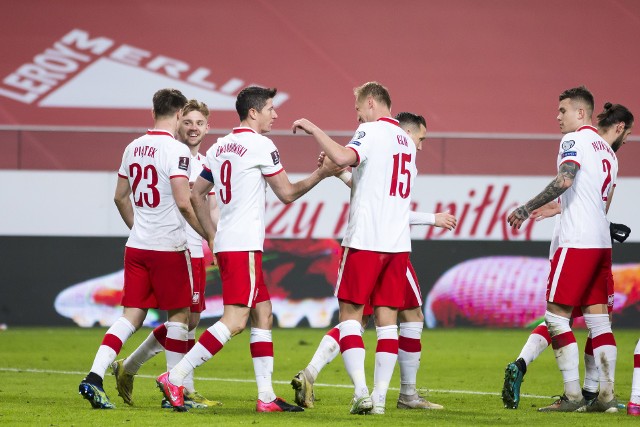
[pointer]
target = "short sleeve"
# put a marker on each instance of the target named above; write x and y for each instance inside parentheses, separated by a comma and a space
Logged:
(122, 172)
(270, 159)
(570, 150)
(361, 142)
(180, 161)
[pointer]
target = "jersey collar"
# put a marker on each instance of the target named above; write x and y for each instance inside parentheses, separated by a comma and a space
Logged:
(159, 132)
(389, 120)
(587, 127)
(243, 129)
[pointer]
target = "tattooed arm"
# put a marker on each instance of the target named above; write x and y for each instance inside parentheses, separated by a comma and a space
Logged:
(560, 184)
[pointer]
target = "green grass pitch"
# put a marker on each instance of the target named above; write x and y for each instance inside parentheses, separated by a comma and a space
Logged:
(40, 369)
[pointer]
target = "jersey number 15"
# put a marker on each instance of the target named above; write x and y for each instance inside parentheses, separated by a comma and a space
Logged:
(400, 161)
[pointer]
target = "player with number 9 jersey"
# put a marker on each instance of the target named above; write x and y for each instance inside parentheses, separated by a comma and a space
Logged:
(149, 163)
(381, 188)
(583, 223)
(239, 163)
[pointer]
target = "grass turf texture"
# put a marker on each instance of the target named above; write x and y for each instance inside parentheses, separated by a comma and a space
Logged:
(40, 369)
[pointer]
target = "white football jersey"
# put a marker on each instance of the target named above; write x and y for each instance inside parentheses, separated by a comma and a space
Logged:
(583, 222)
(381, 188)
(149, 163)
(239, 163)
(194, 240)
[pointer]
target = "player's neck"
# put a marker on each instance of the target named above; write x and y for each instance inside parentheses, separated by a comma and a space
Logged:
(167, 125)
(251, 125)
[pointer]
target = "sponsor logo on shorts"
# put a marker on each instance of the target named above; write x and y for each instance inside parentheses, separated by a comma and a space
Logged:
(195, 298)
(569, 154)
(183, 163)
(610, 300)
(568, 144)
(276, 157)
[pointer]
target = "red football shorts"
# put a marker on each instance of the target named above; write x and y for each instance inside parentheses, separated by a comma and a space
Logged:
(378, 277)
(156, 279)
(199, 272)
(412, 295)
(581, 277)
(242, 278)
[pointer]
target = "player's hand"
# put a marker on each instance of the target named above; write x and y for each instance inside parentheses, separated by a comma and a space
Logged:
(321, 159)
(215, 260)
(546, 211)
(304, 125)
(619, 232)
(446, 220)
(518, 217)
(328, 167)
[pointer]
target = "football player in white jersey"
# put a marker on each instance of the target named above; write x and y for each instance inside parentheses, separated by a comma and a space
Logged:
(539, 339)
(377, 241)
(155, 174)
(410, 314)
(240, 165)
(192, 129)
(581, 268)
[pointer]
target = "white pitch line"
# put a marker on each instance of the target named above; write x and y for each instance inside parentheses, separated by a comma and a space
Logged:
(237, 380)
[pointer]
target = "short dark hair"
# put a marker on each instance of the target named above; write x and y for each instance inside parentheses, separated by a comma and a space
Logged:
(409, 119)
(167, 102)
(253, 97)
(375, 90)
(580, 93)
(613, 114)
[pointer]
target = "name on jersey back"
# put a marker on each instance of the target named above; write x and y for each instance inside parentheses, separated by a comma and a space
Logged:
(602, 146)
(144, 151)
(231, 147)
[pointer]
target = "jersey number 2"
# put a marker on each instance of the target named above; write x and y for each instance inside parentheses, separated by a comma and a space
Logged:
(150, 198)
(400, 161)
(606, 167)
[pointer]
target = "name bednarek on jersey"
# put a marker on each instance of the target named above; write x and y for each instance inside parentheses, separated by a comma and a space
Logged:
(83, 70)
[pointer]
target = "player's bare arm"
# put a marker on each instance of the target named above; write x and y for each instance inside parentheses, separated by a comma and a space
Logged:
(201, 203)
(289, 192)
(547, 211)
(566, 174)
(609, 199)
(182, 196)
(340, 155)
(123, 202)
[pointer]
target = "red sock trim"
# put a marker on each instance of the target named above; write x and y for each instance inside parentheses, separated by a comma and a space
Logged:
(160, 332)
(261, 349)
(563, 340)
(210, 342)
(112, 341)
(387, 346)
(411, 345)
(190, 344)
(604, 339)
(588, 347)
(335, 334)
(636, 360)
(351, 341)
(543, 331)
(177, 346)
